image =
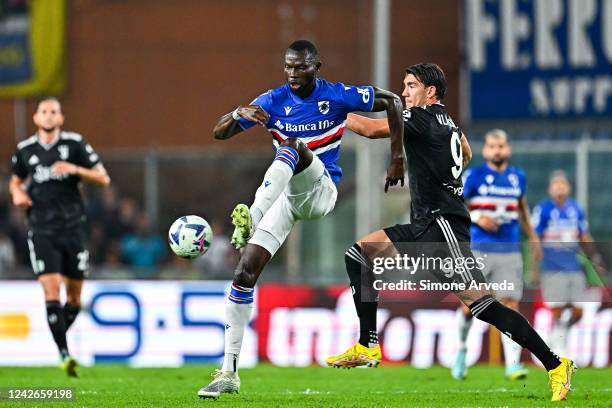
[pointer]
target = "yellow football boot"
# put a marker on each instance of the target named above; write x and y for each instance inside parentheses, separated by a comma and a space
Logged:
(243, 223)
(560, 379)
(357, 356)
(70, 366)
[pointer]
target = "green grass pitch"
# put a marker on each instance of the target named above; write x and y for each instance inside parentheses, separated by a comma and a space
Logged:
(266, 386)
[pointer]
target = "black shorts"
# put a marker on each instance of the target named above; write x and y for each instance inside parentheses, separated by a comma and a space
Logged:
(446, 237)
(64, 253)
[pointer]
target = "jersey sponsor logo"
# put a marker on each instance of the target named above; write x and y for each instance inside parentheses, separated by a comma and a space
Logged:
(329, 139)
(279, 125)
(497, 190)
(288, 110)
(458, 191)
(43, 174)
(305, 127)
(63, 151)
(324, 107)
(34, 160)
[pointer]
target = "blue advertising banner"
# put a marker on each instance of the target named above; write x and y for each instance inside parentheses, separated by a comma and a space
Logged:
(539, 58)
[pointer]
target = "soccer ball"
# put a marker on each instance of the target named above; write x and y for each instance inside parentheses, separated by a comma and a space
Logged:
(190, 236)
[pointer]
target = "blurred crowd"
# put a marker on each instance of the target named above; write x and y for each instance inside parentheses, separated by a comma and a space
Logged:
(122, 242)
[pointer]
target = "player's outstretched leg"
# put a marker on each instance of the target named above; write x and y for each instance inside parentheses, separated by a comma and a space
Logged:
(514, 325)
(291, 158)
(238, 310)
(459, 370)
(366, 352)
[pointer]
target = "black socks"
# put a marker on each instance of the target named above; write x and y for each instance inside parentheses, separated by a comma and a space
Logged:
(365, 296)
(516, 327)
(70, 313)
(57, 324)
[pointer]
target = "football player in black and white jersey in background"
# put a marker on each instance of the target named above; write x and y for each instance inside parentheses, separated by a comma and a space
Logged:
(47, 170)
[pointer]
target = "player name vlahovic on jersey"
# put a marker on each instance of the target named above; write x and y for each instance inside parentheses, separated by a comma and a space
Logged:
(495, 194)
(318, 120)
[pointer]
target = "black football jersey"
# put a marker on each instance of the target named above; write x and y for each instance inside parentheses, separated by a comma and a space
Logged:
(435, 163)
(57, 202)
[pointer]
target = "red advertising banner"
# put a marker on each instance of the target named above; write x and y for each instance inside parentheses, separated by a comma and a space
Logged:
(302, 325)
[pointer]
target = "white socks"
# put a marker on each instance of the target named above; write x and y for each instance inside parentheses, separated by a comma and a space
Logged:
(464, 328)
(238, 308)
(512, 351)
(276, 179)
(558, 337)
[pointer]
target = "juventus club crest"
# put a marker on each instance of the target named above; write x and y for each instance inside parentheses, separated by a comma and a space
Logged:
(63, 151)
(323, 107)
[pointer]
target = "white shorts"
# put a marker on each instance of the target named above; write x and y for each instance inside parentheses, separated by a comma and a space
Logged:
(500, 267)
(563, 288)
(309, 195)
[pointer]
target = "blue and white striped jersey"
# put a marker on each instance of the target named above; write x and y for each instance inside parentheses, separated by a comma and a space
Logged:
(318, 120)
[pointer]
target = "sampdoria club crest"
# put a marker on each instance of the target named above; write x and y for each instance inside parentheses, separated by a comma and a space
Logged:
(323, 107)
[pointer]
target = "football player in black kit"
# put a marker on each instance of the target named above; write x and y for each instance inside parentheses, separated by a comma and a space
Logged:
(47, 170)
(436, 152)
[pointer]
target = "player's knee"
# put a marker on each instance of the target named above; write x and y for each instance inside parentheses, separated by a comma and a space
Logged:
(482, 303)
(576, 314)
(471, 297)
(511, 303)
(557, 312)
(293, 143)
(245, 274)
(304, 153)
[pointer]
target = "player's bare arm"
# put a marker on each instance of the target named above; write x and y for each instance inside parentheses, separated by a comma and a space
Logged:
(535, 247)
(588, 246)
(229, 126)
(487, 223)
(21, 199)
(525, 220)
(379, 129)
(367, 127)
(466, 150)
(96, 175)
(392, 104)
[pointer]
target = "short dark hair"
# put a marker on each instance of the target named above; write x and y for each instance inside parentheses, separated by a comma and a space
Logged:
(430, 75)
(558, 174)
(305, 45)
(45, 99)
